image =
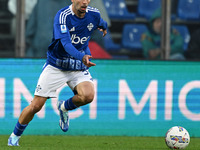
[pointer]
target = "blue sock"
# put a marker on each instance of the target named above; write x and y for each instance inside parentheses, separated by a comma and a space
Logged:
(69, 105)
(19, 129)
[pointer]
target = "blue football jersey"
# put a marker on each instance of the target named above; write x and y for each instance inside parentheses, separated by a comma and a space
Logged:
(74, 32)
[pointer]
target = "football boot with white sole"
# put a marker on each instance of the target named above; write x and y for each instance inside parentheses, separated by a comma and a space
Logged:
(64, 118)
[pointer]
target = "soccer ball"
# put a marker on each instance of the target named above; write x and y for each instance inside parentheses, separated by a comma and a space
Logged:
(177, 138)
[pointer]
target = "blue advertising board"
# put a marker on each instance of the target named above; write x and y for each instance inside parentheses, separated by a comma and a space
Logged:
(133, 98)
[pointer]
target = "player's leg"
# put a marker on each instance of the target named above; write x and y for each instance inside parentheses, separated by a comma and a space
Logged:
(83, 88)
(85, 93)
(49, 81)
(25, 117)
(29, 112)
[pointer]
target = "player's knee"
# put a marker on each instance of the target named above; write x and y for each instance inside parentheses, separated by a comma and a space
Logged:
(88, 98)
(35, 108)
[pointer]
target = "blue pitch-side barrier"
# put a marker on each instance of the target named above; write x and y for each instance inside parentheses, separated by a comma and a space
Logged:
(133, 98)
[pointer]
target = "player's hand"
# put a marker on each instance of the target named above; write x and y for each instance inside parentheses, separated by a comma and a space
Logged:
(104, 31)
(87, 62)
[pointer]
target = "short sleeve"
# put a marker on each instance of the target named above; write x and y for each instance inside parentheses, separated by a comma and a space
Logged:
(60, 28)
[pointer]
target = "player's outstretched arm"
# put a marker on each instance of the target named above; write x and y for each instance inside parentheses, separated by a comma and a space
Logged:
(87, 62)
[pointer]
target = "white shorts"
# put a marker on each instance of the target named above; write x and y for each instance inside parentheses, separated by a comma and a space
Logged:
(53, 78)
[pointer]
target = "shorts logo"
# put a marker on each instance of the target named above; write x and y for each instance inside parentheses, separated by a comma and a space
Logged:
(86, 72)
(63, 28)
(90, 26)
(38, 88)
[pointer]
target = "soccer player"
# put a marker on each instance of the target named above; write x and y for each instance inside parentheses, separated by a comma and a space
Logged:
(68, 61)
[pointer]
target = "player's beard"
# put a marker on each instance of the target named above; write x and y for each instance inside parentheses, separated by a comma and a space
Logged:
(82, 9)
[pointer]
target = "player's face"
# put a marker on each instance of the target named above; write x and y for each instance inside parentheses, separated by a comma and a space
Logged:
(80, 6)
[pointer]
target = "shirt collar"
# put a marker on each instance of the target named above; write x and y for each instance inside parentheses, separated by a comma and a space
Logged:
(70, 7)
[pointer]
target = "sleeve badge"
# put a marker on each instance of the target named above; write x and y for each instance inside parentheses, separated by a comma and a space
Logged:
(63, 28)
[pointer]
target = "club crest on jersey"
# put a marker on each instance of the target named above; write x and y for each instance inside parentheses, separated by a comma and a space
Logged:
(63, 28)
(90, 26)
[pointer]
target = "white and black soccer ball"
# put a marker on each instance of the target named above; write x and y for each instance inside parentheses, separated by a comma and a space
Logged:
(177, 138)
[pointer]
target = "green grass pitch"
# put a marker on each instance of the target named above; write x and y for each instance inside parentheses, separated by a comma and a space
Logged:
(28, 142)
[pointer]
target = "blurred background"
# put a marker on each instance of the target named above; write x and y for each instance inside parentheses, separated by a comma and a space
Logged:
(26, 27)
(147, 73)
